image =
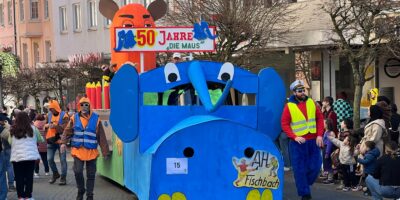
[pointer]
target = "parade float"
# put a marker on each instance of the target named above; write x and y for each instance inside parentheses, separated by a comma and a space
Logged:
(190, 130)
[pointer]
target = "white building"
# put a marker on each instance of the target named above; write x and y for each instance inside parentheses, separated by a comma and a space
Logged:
(312, 32)
(80, 28)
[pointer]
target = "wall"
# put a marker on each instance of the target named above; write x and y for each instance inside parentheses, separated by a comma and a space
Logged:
(82, 42)
(385, 81)
(6, 31)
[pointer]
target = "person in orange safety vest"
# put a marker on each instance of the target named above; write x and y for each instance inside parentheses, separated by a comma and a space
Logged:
(86, 133)
(56, 122)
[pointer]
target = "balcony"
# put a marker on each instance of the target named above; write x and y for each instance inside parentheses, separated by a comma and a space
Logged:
(31, 28)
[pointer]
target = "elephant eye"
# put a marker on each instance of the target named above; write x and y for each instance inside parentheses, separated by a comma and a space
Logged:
(226, 72)
(171, 73)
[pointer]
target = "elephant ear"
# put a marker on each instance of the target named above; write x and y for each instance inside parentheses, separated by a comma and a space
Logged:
(124, 92)
(271, 99)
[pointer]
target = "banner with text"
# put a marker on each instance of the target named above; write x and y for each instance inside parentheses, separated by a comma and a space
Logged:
(165, 39)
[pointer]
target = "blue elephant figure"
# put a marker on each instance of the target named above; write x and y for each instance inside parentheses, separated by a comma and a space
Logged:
(219, 146)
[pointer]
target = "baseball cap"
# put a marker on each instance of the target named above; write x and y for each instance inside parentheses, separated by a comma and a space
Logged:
(176, 55)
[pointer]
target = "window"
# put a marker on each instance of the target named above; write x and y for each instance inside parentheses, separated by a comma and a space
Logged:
(1, 15)
(77, 16)
(34, 9)
(46, 9)
(9, 12)
(36, 55)
(63, 19)
(126, 2)
(48, 51)
(92, 14)
(21, 10)
(25, 54)
(107, 22)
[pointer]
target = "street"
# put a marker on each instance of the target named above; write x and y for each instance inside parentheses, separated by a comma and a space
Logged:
(105, 189)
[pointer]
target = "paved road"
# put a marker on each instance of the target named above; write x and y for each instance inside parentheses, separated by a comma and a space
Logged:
(105, 189)
(319, 191)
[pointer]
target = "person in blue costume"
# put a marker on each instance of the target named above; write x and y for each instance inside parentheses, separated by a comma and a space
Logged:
(304, 125)
(202, 31)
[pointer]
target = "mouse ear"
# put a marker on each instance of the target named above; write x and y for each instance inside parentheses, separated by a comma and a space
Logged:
(108, 8)
(157, 9)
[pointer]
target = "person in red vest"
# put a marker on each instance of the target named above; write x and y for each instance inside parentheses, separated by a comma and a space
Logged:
(303, 123)
(86, 134)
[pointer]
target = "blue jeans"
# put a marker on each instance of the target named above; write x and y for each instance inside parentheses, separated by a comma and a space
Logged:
(378, 192)
(306, 163)
(51, 151)
(284, 146)
(9, 168)
(3, 181)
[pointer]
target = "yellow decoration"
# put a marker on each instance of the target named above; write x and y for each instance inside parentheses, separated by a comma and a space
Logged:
(119, 145)
(164, 197)
(175, 196)
(253, 195)
(267, 195)
(178, 196)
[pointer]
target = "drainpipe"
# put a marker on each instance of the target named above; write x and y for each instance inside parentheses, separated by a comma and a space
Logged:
(15, 29)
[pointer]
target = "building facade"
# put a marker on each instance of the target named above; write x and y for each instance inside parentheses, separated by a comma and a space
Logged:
(80, 28)
(35, 36)
(7, 29)
(331, 73)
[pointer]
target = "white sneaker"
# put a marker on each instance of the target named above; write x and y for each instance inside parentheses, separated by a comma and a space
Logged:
(47, 174)
(35, 175)
(286, 169)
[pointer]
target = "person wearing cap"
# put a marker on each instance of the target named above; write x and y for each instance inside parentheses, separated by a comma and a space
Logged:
(86, 133)
(304, 125)
(57, 120)
(176, 57)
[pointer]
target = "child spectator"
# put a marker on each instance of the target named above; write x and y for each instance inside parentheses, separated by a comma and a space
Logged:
(42, 146)
(368, 157)
(347, 160)
(327, 150)
(327, 110)
(346, 127)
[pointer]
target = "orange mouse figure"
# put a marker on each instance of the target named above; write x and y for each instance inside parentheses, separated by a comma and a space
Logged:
(132, 15)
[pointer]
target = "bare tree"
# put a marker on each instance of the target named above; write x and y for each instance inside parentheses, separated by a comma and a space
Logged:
(54, 74)
(303, 67)
(359, 37)
(244, 27)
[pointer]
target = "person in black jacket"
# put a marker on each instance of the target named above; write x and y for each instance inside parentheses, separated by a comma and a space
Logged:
(385, 181)
(394, 122)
